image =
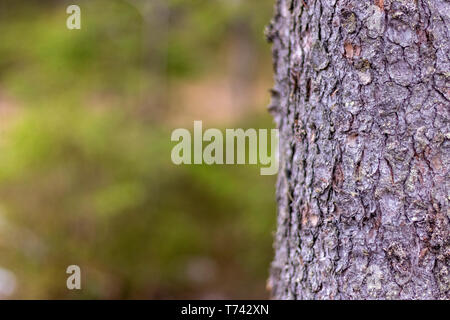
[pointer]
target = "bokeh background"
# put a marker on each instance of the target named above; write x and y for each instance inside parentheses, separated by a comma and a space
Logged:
(85, 172)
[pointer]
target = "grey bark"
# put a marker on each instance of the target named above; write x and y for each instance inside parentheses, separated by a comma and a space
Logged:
(361, 98)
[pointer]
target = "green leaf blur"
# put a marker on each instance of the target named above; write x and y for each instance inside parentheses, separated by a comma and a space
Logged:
(85, 170)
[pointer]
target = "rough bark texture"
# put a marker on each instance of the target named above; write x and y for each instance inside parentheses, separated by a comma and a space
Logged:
(361, 98)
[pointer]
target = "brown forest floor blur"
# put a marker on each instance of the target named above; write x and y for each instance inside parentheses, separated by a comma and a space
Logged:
(85, 170)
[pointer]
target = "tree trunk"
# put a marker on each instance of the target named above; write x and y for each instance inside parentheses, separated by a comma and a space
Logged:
(361, 99)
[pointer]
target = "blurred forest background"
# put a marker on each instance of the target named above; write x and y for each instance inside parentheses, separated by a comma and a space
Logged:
(85, 170)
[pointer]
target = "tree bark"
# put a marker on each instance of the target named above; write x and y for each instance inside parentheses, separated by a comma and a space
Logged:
(361, 99)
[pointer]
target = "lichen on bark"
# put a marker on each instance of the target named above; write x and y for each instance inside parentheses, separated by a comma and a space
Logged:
(362, 101)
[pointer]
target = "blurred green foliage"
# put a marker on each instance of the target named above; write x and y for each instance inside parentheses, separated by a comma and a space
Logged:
(85, 170)
(198, 29)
